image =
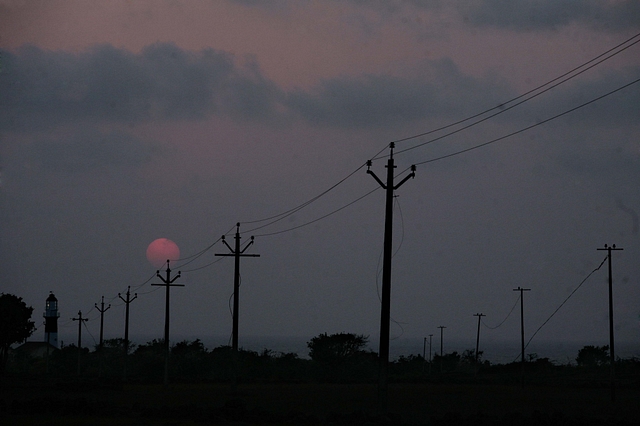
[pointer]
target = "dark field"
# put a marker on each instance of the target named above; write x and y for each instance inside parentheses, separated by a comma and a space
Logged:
(89, 402)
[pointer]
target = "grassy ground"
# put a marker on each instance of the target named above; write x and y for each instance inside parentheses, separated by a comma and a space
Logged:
(79, 403)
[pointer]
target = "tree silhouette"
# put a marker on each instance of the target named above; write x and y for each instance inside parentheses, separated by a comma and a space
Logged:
(15, 324)
(593, 356)
(335, 349)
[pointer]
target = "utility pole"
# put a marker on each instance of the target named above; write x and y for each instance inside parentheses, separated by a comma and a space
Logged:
(102, 310)
(127, 301)
(441, 327)
(612, 350)
(424, 349)
(424, 353)
(168, 283)
(236, 253)
(430, 336)
(80, 321)
(522, 360)
(478, 336)
(385, 315)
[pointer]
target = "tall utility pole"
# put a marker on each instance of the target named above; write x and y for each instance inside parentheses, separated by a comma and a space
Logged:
(441, 327)
(478, 336)
(612, 350)
(102, 310)
(522, 360)
(237, 253)
(168, 283)
(127, 301)
(385, 315)
(80, 321)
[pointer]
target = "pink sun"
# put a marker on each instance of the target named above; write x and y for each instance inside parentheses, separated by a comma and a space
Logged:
(161, 250)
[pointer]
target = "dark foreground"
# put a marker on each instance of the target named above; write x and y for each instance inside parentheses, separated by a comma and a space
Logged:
(57, 402)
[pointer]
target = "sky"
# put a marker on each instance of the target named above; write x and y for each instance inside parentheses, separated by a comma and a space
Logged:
(123, 122)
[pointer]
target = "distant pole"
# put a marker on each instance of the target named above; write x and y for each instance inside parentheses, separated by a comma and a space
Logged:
(80, 321)
(102, 310)
(522, 360)
(430, 336)
(441, 327)
(385, 314)
(168, 283)
(478, 335)
(424, 353)
(611, 342)
(127, 301)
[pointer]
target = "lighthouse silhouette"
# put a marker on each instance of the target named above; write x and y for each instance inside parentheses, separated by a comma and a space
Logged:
(51, 320)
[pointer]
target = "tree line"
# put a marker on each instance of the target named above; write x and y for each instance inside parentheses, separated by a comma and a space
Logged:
(338, 358)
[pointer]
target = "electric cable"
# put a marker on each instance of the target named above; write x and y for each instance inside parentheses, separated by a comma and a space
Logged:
(502, 107)
(204, 266)
(288, 213)
(565, 301)
(321, 217)
(462, 151)
(503, 321)
(89, 331)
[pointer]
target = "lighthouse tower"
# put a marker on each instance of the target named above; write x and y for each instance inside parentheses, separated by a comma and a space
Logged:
(51, 320)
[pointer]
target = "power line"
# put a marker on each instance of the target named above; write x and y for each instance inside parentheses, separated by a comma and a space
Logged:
(502, 107)
(442, 157)
(321, 217)
(565, 301)
(507, 317)
(288, 213)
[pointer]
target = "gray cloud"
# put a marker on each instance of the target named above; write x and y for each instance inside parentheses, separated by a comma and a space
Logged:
(380, 100)
(529, 15)
(43, 89)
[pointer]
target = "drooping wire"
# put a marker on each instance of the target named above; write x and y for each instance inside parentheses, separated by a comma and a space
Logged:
(502, 107)
(462, 151)
(89, 331)
(204, 266)
(279, 217)
(203, 251)
(321, 217)
(397, 203)
(507, 317)
(565, 301)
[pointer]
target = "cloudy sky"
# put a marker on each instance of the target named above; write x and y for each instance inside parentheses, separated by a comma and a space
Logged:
(122, 122)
